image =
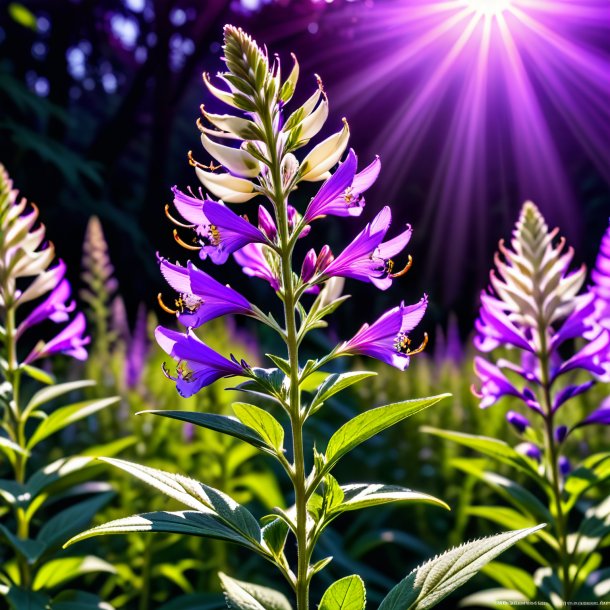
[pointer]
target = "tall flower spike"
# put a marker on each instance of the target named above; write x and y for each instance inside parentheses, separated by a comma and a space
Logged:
(25, 253)
(366, 258)
(601, 282)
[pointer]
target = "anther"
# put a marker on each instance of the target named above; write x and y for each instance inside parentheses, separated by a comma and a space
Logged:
(192, 161)
(164, 307)
(184, 244)
(177, 222)
(404, 271)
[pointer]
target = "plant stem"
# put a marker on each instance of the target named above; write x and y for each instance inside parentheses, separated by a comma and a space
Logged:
(292, 343)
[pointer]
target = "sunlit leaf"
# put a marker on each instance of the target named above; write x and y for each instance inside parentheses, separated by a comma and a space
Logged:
(335, 383)
(247, 596)
(263, 422)
(57, 572)
(345, 594)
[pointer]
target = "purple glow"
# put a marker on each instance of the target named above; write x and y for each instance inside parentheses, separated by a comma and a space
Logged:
(492, 94)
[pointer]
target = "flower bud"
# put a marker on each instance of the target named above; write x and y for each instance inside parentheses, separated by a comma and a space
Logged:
(325, 258)
(564, 465)
(265, 223)
(309, 266)
(560, 433)
(518, 421)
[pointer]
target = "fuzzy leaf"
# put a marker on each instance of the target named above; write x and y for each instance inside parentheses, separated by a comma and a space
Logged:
(218, 423)
(192, 523)
(368, 424)
(335, 383)
(274, 534)
(263, 422)
(65, 416)
(431, 582)
(197, 496)
(241, 595)
(345, 594)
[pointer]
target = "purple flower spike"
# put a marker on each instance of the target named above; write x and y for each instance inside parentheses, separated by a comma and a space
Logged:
(219, 231)
(366, 258)
(341, 194)
(201, 297)
(257, 260)
(198, 364)
(54, 308)
(387, 339)
(518, 421)
(69, 341)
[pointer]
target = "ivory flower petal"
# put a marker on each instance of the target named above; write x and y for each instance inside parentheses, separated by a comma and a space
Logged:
(316, 164)
(227, 187)
(237, 161)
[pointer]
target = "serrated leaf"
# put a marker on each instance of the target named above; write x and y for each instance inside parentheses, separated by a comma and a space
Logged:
(490, 447)
(345, 594)
(431, 582)
(45, 395)
(263, 422)
(196, 495)
(65, 416)
(58, 572)
(219, 423)
(335, 383)
(368, 424)
(247, 596)
(193, 523)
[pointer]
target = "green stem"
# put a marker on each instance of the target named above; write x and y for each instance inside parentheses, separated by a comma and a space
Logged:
(291, 338)
(552, 459)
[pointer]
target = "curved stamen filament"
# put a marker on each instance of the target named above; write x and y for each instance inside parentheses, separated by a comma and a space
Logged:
(404, 271)
(177, 222)
(421, 348)
(192, 161)
(183, 243)
(164, 307)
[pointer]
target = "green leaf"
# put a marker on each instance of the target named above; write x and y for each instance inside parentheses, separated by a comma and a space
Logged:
(274, 534)
(489, 599)
(38, 374)
(30, 549)
(79, 600)
(20, 599)
(247, 596)
(57, 471)
(196, 495)
(8, 447)
(511, 577)
(490, 447)
(68, 522)
(45, 395)
(65, 416)
(345, 594)
(431, 582)
(368, 424)
(219, 423)
(281, 363)
(335, 383)
(192, 523)
(195, 601)
(22, 15)
(591, 472)
(362, 495)
(593, 528)
(264, 423)
(57, 572)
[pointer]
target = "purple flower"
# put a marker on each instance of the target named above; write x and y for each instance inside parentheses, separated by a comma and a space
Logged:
(564, 465)
(219, 231)
(265, 222)
(387, 339)
(593, 357)
(201, 297)
(55, 308)
(560, 433)
(258, 260)
(517, 421)
(137, 349)
(601, 415)
(69, 341)
(198, 364)
(532, 451)
(494, 384)
(309, 265)
(601, 281)
(341, 194)
(366, 258)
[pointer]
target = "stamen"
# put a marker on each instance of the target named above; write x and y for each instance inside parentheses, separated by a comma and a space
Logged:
(404, 271)
(184, 244)
(166, 371)
(164, 307)
(192, 161)
(421, 348)
(177, 222)
(320, 83)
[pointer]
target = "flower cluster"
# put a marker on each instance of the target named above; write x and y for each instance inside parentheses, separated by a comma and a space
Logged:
(264, 142)
(535, 305)
(25, 254)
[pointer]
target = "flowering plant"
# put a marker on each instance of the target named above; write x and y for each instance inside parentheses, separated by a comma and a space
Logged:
(264, 164)
(559, 340)
(30, 567)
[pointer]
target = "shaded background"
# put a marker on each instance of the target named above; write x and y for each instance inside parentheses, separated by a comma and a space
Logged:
(99, 100)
